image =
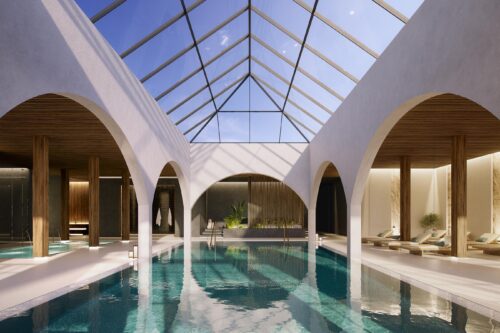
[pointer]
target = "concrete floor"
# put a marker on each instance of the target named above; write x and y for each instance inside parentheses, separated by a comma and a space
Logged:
(473, 282)
(25, 283)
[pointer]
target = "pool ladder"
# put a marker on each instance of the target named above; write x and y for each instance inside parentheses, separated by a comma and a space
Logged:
(213, 236)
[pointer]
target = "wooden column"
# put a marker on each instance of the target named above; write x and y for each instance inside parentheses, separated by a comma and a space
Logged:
(64, 204)
(94, 201)
(125, 206)
(405, 198)
(458, 197)
(40, 196)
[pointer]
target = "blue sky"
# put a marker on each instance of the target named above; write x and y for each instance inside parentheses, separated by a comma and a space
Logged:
(319, 85)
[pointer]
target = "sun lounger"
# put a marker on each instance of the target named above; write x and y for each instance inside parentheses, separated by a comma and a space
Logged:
(420, 239)
(386, 234)
(395, 245)
(443, 246)
(492, 248)
(436, 236)
(486, 238)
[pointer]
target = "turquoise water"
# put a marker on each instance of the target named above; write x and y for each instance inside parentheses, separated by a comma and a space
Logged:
(54, 248)
(249, 287)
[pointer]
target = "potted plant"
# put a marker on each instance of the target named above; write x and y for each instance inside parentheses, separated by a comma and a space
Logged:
(430, 221)
(233, 220)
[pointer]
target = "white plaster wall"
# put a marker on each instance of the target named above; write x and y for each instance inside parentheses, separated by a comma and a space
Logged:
(51, 47)
(377, 200)
(211, 163)
(448, 46)
(480, 195)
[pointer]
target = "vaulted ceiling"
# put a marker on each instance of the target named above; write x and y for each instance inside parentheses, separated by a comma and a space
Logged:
(249, 70)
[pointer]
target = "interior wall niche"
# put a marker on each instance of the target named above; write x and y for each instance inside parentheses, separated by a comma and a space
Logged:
(78, 202)
(272, 202)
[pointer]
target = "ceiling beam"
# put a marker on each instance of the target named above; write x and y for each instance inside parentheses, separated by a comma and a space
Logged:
(106, 10)
(338, 29)
(290, 84)
(300, 69)
(189, 48)
(159, 29)
(307, 46)
(391, 10)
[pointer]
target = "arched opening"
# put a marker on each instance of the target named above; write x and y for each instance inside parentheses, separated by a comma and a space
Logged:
(249, 205)
(434, 180)
(62, 177)
(331, 205)
(168, 206)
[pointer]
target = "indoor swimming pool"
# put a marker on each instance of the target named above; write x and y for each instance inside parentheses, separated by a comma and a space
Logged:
(249, 287)
(26, 251)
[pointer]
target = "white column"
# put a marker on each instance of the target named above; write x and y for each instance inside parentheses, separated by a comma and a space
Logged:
(354, 233)
(187, 226)
(311, 227)
(145, 232)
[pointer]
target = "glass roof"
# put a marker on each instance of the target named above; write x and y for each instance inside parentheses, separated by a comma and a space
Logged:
(249, 70)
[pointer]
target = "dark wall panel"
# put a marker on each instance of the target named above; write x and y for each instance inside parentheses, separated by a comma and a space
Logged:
(331, 207)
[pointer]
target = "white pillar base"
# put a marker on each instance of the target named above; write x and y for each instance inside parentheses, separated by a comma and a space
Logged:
(354, 234)
(311, 228)
(187, 226)
(145, 238)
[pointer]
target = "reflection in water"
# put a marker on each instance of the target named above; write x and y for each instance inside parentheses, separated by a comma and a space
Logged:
(249, 287)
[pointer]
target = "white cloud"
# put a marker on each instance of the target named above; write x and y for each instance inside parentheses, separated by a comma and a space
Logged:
(352, 12)
(224, 40)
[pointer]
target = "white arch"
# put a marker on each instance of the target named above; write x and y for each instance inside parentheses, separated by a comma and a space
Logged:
(427, 58)
(288, 163)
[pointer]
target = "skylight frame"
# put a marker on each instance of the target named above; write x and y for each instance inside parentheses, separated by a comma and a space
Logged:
(252, 38)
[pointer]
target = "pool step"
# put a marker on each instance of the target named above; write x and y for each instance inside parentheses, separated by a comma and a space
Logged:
(208, 232)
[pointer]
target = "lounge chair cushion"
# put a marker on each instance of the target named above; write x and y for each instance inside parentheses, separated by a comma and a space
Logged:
(487, 238)
(444, 242)
(422, 237)
(438, 233)
(385, 233)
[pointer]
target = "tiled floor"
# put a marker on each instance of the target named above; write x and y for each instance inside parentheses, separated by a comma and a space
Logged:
(473, 282)
(27, 282)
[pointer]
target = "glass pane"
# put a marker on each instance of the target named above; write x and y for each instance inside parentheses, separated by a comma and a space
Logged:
(269, 78)
(289, 133)
(224, 38)
(225, 81)
(339, 49)
(171, 74)
(405, 7)
(134, 19)
(316, 92)
(184, 91)
(303, 118)
(213, 12)
(309, 106)
(159, 49)
(92, 7)
(240, 101)
(265, 126)
(259, 101)
(224, 62)
(196, 117)
(326, 74)
(234, 127)
(233, 86)
(364, 19)
(288, 14)
(272, 61)
(275, 38)
(188, 107)
(210, 133)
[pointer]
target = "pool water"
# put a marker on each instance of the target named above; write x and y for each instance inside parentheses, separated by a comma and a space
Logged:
(54, 248)
(249, 287)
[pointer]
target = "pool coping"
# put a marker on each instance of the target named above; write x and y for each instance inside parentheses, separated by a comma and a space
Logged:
(18, 309)
(445, 294)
